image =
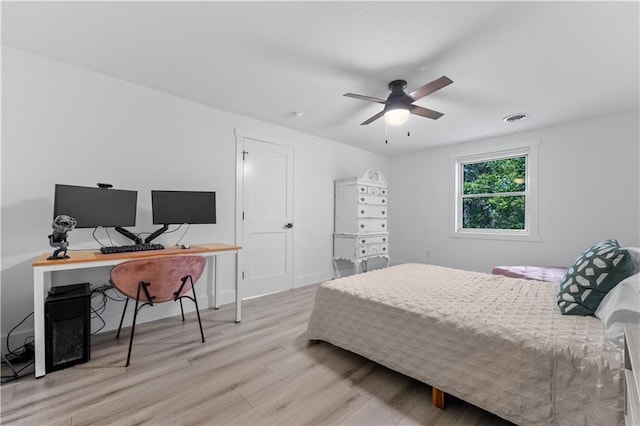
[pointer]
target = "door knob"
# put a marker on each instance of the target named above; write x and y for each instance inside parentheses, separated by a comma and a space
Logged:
(289, 225)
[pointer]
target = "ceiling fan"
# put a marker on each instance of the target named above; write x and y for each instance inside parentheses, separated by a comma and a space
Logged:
(399, 105)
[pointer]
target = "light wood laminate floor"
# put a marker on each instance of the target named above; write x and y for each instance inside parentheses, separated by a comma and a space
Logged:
(259, 372)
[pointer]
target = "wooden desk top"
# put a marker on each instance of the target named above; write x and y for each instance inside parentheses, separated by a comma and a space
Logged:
(81, 256)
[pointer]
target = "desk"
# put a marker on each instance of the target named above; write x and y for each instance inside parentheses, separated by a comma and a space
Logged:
(42, 269)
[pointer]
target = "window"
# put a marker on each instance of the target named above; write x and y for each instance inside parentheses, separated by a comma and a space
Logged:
(496, 194)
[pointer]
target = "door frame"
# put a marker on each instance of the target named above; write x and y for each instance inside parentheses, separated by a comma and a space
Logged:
(239, 238)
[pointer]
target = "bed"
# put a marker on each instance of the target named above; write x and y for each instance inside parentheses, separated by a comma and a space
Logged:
(497, 342)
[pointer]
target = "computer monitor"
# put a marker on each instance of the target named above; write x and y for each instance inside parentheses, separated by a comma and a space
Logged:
(183, 207)
(94, 207)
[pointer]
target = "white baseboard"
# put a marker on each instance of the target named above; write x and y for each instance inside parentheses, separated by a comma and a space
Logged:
(112, 318)
(224, 298)
(310, 279)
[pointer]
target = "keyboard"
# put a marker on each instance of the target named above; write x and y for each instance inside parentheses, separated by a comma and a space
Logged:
(131, 248)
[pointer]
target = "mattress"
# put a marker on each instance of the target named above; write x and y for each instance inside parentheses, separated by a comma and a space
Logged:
(497, 342)
(538, 273)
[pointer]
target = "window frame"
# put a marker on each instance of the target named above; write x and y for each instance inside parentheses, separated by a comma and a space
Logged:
(531, 229)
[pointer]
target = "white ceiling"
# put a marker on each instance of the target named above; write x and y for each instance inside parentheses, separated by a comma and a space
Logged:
(557, 61)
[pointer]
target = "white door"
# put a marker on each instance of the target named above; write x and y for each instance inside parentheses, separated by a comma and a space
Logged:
(268, 215)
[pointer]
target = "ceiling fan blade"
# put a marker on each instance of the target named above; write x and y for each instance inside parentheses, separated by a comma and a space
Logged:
(425, 112)
(365, 98)
(374, 118)
(429, 88)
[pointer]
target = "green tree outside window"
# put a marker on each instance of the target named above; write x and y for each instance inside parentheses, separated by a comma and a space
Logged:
(494, 194)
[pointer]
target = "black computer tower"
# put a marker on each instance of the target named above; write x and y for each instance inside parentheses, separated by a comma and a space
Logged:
(67, 312)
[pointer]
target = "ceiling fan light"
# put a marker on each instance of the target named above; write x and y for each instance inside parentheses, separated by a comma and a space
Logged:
(397, 116)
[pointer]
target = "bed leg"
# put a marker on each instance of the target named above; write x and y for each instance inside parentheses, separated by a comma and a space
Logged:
(437, 397)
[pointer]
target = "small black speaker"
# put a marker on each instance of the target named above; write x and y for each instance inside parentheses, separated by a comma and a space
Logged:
(67, 312)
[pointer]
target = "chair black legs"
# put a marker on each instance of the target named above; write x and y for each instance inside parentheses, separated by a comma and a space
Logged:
(143, 286)
(133, 324)
(126, 303)
(181, 310)
(135, 316)
(195, 300)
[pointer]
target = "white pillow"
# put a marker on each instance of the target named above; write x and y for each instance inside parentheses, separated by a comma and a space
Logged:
(621, 305)
(635, 255)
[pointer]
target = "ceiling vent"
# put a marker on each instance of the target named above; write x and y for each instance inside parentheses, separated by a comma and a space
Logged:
(515, 117)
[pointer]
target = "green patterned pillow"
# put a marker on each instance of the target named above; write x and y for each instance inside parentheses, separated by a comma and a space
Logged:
(592, 275)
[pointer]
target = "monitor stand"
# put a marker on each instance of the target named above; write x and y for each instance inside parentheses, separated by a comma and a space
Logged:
(130, 235)
(156, 234)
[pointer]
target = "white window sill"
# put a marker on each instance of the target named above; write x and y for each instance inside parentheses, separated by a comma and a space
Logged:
(505, 236)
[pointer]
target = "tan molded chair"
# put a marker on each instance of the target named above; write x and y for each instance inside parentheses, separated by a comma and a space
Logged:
(157, 280)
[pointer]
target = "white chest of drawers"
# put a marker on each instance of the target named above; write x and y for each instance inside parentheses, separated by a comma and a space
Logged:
(361, 226)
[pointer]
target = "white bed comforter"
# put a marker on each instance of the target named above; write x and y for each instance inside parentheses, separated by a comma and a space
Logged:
(497, 342)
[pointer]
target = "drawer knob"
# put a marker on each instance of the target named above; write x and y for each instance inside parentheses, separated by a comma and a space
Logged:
(382, 225)
(363, 251)
(382, 211)
(361, 198)
(361, 211)
(362, 226)
(384, 249)
(364, 241)
(383, 192)
(383, 201)
(384, 239)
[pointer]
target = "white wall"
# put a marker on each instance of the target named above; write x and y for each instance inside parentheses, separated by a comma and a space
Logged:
(588, 191)
(63, 124)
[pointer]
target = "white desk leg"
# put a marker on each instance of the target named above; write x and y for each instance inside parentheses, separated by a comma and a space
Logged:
(238, 287)
(216, 275)
(38, 318)
(211, 292)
